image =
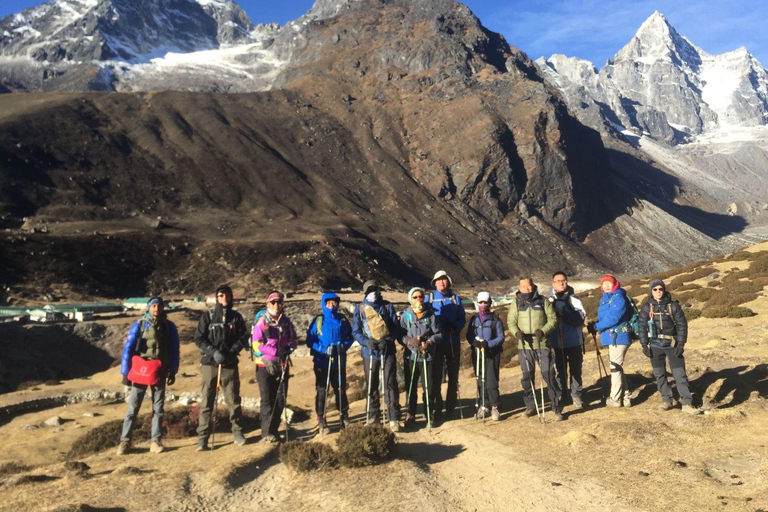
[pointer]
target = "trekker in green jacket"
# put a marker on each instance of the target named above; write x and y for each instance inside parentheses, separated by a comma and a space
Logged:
(531, 319)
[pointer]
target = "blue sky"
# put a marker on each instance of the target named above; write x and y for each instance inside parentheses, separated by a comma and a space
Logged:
(590, 29)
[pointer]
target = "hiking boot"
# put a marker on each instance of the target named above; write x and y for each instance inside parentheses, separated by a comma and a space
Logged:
(410, 420)
(527, 413)
(239, 439)
(692, 410)
(495, 415)
(373, 421)
(156, 447)
(577, 403)
(270, 439)
(482, 412)
(123, 448)
(394, 426)
(559, 416)
(612, 403)
(627, 402)
(322, 427)
(666, 406)
(345, 422)
(202, 444)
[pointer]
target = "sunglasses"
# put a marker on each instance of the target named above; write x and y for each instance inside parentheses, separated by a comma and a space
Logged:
(658, 289)
(417, 296)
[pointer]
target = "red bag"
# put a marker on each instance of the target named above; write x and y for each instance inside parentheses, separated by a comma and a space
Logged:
(144, 371)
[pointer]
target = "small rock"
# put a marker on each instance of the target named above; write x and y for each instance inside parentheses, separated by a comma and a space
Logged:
(734, 476)
(681, 464)
(721, 497)
(30, 427)
(556, 484)
(77, 425)
(76, 466)
(643, 473)
(55, 421)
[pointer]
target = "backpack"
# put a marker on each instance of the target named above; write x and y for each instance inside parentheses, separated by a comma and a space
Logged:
(631, 326)
(377, 326)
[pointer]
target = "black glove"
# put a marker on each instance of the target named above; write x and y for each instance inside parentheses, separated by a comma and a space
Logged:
(126, 382)
(371, 344)
(519, 335)
(171, 379)
(480, 344)
(539, 334)
(218, 357)
(382, 346)
(284, 352)
(647, 351)
(591, 328)
(679, 349)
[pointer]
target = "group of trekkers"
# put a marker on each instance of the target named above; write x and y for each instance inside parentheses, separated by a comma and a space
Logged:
(548, 329)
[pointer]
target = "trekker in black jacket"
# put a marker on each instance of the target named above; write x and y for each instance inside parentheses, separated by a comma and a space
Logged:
(663, 333)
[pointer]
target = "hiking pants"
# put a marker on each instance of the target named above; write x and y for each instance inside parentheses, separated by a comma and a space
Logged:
(134, 404)
(321, 377)
(391, 398)
(677, 365)
(619, 386)
(447, 354)
(418, 373)
(492, 365)
(529, 358)
(230, 386)
(569, 359)
(273, 399)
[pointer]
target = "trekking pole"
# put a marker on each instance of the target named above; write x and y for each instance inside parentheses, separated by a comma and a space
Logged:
(456, 362)
(482, 361)
(368, 396)
(341, 393)
(426, 392)
(541, 386)
(279, 385)
(215, 402)
(600, 369)
(531, 369)
(410, 386)
(327, 389)
(383, 388)
(477, 382)
(285, 399)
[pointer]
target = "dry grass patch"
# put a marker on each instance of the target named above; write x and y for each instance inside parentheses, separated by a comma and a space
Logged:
(303, 457)
(364, 445)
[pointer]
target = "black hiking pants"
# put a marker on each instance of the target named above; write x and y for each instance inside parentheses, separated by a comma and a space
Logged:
(392, 396)
(321, 378)
(492, 366)
(412, 377)
(529, 358)
(273, 399)
(569, 359)
(447, 354)
(677, 365)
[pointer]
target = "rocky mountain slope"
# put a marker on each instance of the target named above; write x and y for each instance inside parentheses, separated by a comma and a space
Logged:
(399, 138)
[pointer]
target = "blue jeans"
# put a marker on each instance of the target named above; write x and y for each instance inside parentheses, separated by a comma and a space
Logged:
(134, 404)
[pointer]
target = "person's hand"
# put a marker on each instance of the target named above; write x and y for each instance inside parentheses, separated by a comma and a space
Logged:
(284, 351)
(371, 343)
(539, 334)
(413, 342)
(272, 367)
(591, 328)
(679, 349)
(519, 335)
(126, 382)
(482, 344)
(218, 357)
(647, 351)
(171, 379)
(382, 345)
(331, 350)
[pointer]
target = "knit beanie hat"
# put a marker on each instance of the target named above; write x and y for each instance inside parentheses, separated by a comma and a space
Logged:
(654, 283)
(607, 277)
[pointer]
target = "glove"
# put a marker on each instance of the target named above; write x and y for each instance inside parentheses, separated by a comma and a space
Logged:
(218, 357)
(272, 367)
(647, 351)
(332, 350)
(591, 328)
(413, 342)
(539, 334)
(519, 335)
(126, 382)
(171, 379)
(481, 344)
(284, 351)
(425, 347)
(371, 343)
(679, 349)
(382, 345)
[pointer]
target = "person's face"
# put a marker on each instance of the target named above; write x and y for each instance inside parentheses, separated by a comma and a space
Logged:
(607, 286)
(331, 304)
(658, 292)
(275, 306)
(559, 283)
(525, 286)
(222, 298)
(417, 297)
(155, 310)
(442, 284)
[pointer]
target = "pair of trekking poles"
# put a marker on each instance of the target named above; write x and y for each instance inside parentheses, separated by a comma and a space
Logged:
(425, 380)
(328, 388)
(480, 374)
(382, 387)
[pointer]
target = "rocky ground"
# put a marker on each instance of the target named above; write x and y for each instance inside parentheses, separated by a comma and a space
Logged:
(636, 458)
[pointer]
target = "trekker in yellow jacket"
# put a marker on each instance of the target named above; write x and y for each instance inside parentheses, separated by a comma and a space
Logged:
(530, 319)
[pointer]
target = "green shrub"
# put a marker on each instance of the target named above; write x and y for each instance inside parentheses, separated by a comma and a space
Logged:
(759, 265)
(13, 468)
(714, 283)
(744, 287)
(740, 256)
(726, 312)
(364, 445)
(303, 457)
(688, 287)
(692, 314)
(704, 294)
(727, 299)
(696, 274)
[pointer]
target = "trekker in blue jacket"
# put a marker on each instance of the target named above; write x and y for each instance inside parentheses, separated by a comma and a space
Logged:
(375, 328)
(567, 339)
(450, 313)
(152, 344)
(329, 337)
(486, 332)
(613, 316)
